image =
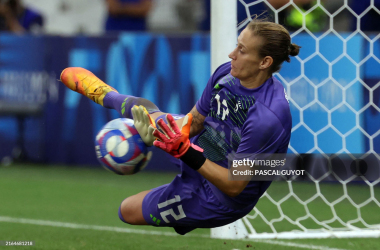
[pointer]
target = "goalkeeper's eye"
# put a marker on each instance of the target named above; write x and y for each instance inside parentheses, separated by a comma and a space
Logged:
(239, 48)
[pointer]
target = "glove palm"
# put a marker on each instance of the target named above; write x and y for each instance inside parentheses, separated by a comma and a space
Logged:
(144, 124)
(173, 140)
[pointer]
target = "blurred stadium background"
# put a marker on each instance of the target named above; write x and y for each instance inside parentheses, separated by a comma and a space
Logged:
(53, 190)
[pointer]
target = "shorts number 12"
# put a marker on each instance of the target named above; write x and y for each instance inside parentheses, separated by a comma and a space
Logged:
(170, 211)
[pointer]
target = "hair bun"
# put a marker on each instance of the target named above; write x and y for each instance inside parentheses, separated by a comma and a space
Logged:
(294, 49)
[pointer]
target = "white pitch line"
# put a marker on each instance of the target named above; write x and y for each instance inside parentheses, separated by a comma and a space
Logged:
(140, 231)
(292, 244)
(92, 227)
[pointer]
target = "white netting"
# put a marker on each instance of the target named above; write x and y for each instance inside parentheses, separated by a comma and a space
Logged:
(333, 89)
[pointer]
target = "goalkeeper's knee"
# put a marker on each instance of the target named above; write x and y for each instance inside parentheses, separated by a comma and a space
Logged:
(121, 216)
(130, 210)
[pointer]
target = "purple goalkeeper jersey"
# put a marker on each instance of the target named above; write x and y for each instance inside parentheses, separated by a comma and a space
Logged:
(242, 121)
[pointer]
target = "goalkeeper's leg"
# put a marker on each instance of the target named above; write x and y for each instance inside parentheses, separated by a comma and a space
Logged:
(130, 210)
(124, 103)
(185, 204)
(86, 83)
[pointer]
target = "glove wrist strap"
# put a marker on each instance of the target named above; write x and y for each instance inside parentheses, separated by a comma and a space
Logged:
(193, 157)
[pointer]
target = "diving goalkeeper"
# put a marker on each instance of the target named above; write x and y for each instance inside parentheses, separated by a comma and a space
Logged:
(243, 110)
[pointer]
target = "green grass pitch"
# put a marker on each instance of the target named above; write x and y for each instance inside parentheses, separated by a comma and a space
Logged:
(88, 200)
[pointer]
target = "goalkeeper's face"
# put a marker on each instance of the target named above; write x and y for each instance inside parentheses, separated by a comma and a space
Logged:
(245, 64)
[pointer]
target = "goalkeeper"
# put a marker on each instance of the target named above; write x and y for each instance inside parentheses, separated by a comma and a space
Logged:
(243, 110)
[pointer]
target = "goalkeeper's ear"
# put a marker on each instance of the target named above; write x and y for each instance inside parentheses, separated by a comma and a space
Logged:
(266, 62)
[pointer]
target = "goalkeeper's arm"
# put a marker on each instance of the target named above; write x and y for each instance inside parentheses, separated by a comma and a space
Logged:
(175, 141)
(196, 125)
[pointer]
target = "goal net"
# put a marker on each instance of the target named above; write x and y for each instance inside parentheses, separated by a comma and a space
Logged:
(333, 87)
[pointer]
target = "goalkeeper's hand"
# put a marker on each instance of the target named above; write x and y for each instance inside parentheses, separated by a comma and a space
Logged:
(144, 124)
(173, 140)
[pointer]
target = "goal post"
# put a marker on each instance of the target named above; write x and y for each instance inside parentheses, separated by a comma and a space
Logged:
(333, 87)
(223, 41)
(223, 30)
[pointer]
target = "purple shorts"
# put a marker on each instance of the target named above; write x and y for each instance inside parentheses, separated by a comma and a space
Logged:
(187, 203)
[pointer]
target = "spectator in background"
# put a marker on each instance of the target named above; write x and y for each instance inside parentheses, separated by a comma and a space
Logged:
(127, 15)
(371, 20)
(15, 17)
(290, 17)
(255, 9)
(190, 14)
(317, 20)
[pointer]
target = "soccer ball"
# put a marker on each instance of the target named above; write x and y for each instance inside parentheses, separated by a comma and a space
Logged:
(120, 149)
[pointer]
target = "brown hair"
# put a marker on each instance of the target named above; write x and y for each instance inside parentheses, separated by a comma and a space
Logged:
(276, 42)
